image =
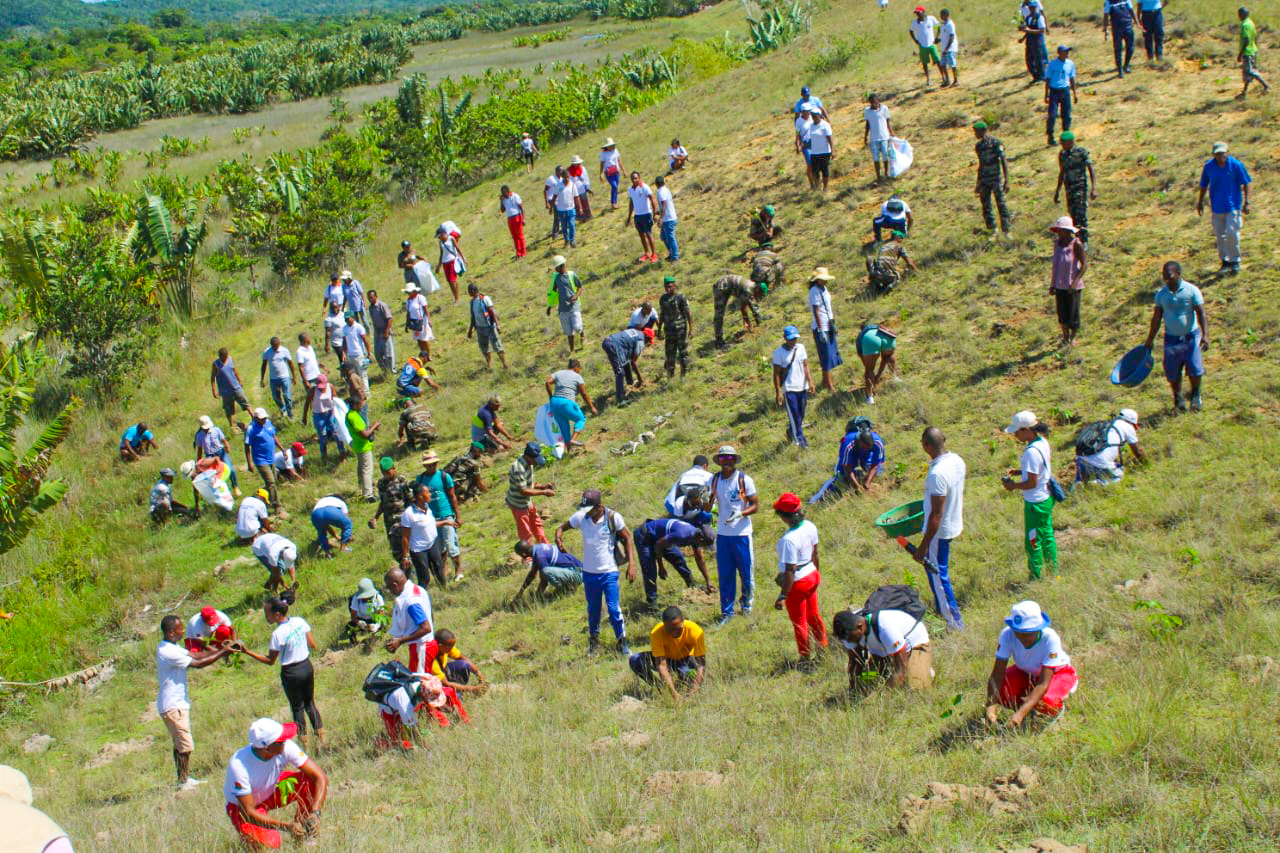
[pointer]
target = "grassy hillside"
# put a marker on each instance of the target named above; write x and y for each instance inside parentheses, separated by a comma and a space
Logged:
(1168, 742)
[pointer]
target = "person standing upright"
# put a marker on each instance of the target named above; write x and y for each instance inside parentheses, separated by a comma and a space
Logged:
(1152, 17)
(943, 522)
(564, 296)
(528, 151)
(924, 32)
(735, 493)
(824, 325)
(1226, 181)
(1119, 16)
(1035, 28)
(877, 132)
(224, 382)
(1066, 283)
(799, 576)
(484, 322)
(675, 326)
(279, 359)
(512, 206)
(1075, 172)
(384, 345)
(564, 193)
(611, 169)
(804, 126)
(260, 446)
(1248, 57)
(602, 530)
(362, 435)
(667, 218)
(521, 490)
(640, 207)
(1186, 333)
(949, 47)
(292, 643)
(993, 178)
(172, 703)
(792, 382)
(1035, 470)
(352, 295)
(822, 148)
(1059, 90)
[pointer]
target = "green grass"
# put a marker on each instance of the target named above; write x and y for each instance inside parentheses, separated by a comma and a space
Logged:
(1166, 747)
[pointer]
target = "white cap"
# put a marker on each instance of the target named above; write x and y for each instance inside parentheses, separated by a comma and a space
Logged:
(1022, 420)
(345, 274)
(558, 261)
(266, 731)
(1129, 416)
(260, 413)
(206, 422)
(1026, 617)
(188, 468)
(14, 785)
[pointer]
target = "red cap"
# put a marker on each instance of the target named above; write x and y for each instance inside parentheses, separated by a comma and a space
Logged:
(209, 615)
(787, 502)
(289, 733)
(298, 448)
(649, 335)
(919, 8)
(222, 632)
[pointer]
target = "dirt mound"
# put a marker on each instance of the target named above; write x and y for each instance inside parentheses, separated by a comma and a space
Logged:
(37, 743)
(631, 741)
(1072, 535)
(698, 595)
(111, 751)
(1048, 845)
(1254, 667)
(666, 782)
(518, 649)
(1006, 795)
(645, 833)
(232, 564)
(1143, 584)
(627, 705)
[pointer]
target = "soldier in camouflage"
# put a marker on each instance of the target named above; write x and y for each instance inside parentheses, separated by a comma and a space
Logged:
(745, 291)
(675, 326)
(394, 494)
(416, 426)
(993, 178)
(465, 471)
(1075, 172)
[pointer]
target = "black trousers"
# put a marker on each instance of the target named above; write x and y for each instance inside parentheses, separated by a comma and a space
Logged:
(299, 681)
(429, 562)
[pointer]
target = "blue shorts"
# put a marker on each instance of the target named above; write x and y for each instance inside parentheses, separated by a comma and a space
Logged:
(450, 537)
(949, 59)
(644, 222)
(879, 150)
(1182, 351)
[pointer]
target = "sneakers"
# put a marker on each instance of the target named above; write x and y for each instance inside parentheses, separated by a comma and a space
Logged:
(1196, 403)
(623, 648)
(191, 784)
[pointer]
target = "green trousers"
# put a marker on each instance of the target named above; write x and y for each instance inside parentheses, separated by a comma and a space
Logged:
(1041, 548)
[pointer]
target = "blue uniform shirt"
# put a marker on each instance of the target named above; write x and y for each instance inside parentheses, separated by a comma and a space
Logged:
(1179, 308)
(261, 438)
(1059, 73)
(1224, 184)
(676, 532)
(866, 458)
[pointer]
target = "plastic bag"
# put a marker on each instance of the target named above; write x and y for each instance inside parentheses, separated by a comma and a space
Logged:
(900, 156)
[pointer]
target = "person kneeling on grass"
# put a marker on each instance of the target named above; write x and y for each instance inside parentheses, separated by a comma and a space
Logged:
(677, 649)
(136, 442)
(453, 668)
(889, 644)
(161, 499)
(278, 554)
(208, 629)
(1100, 446)
(552, 567)
(1041, 677)
(368, 611)
(257, 783)
(401, 696)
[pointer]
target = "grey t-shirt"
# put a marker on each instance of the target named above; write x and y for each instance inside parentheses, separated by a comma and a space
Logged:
(380, 316)
(566, 383)
(566, 292)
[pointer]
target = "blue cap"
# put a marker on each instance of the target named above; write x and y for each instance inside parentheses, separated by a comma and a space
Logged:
(804, 90)
(790, 333)
(1064, 48)
(533, 448)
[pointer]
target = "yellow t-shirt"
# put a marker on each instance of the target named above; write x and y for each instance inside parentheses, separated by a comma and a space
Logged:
(437, 669)
(690, 643)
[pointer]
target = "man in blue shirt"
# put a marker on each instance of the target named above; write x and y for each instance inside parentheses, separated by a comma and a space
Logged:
(623, 349)
(1119, 16)
(487, 428)
(353, 294)
(224, 382)
(135, 442)
(1226, 181)
(1059, 90)
(1152, 28)
(662, 538)
(260, 446)
(1181, 306)
(552, 566)
(809, 99)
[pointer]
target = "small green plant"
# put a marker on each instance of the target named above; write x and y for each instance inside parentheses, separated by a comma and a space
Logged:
(1061, 415)
(1160, 623)
(1191, 555)
(1250, 337)
(955, 701)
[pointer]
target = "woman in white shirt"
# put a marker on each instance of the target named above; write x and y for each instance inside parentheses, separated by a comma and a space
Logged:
(677, 156)
(1041, 677)
(291, 642)
(322, 417)
(452, 261)
(1034, 472)
(798, 575)
(417, 320)
(611, 169)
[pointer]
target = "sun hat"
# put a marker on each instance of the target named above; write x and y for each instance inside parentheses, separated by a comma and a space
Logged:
(260, 413)
(429, 457)
(979, 125)
(262, 493)
(411, 287)
(1129, 416)
(558, 261)
(264, 732)
(1219, 148)
(1022, 420)
(206, 422)
(608, 142)
(166, 472)
(386, 463)
(1063, 223)
(575, 160)
(726, 450)
(14, 785)
(365, 589)
(1026, 617)
(188, 468)
(591, 497)
(790, 333)
(345, 274)
(298, 448)
(208, 614)
(821, 274)
(787, 502)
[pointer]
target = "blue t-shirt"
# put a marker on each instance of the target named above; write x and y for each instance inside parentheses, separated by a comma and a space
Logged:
(408, 376)
(1149, 5)
(630, 341)
(353, 293)
(1179, 308)
(225, 374)
(866, 458)
(1059, 73)
(550, 555)
(677, 532)
(134, 440)
(209, 441)
(261, 439)
(1225, 183)
(481, 423)
(439, 483)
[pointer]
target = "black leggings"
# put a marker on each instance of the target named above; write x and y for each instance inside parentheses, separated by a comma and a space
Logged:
(429, 562)
(299, 681)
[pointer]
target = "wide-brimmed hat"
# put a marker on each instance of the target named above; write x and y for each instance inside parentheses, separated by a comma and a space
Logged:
(260, 413)
(430, 457)
(167, 472)
(345, 274)
(726, 450)
(1063, 223)
(575, 160)
(188, 468)
(1022, 420)
(608, 142)
(1026, 617)
(365, 589)
(411, 287)
(206, 422)
(821, 274)
(558, 261)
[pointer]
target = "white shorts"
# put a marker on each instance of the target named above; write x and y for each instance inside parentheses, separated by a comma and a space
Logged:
(571, 321)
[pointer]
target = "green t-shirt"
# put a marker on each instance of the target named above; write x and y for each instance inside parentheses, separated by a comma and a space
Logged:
(1248, 37)
(355, 423)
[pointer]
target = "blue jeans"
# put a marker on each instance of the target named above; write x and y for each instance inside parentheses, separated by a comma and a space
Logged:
(326, 430)
(329, 517)
(596, 586)
(944, 599)
(734, 561)
(667, 232)
(647, 554)
(1122, 45)
(568, 416)
(566, 220)
(226, 457)
(282, 393)
(795, 403)
(1059, 100)
(613, 186)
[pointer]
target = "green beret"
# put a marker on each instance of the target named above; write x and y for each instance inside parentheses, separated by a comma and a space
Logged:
(979, 125)
(1067, 136)
(385, 463)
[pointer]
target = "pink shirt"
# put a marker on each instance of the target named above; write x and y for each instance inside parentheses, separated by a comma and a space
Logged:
(1065, 266)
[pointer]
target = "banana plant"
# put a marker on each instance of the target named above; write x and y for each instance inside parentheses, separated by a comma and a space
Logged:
(171, 250)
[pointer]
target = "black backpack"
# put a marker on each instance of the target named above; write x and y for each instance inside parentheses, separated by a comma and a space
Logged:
(385, 678)
(1092, 438)
(894, 597)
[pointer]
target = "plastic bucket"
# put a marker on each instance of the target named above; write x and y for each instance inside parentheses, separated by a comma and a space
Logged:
(902, 520)
(1133, 368)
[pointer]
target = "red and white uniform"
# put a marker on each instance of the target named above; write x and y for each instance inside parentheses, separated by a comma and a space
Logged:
(411, 608)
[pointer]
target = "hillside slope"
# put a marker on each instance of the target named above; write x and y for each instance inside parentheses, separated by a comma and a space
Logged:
(1167, 746)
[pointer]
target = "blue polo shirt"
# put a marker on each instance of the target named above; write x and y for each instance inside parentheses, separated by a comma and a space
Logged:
(678, 533)
(546, 556)
(261, 438)
(1059, 73)
(133, 439)
(1179, 308)
(439, 483)
(866, 458)
(1225, 184)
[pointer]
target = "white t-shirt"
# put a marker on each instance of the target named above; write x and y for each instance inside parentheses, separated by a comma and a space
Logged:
(803, 128)
(335, 295)
(1035, 464)
(351, 340)
(946, 478)
(902, 214)
(1046, 652)
(820, 138)
(640, 199)
(172, 661)
(308, 363)
(667, 204)
(792, 363)
(253, 511)
(290, 640)
(947, 41)
(421, 525)
(401, 624)
(400, 703)
(333, 326)
(249, 774)
(641, 319)
(1120, 433)
(511, 205)
(924, 31)
(285, 460)
(610, 159)
(565, 193)
(820, 298)
(677, 151)
(198, 629)
(331, 500)
(277, 362)
(731, 497)
(276, 550)
(597, 539)
(693, 477)
(526, 145)
(878, 122)
(366, 607)
(893, 632)
(796, 548)
(415, 307)
(448, 251)
(549, 187)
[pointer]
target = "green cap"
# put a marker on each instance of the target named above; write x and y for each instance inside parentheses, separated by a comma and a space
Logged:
(669, 280)
(385, 463)
(979, 125)
(1067, 136)
(768, 208)
(477, 445)
(895, 232)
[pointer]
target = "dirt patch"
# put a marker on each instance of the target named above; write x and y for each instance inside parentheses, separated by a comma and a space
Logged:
(333, 657)
(150, 715)
(630, 741)
(1048, 845)
(1255, 668)
(627, 705)
(484, 623)
(1073, 535)
(110, 752)
(645, 833)
(664, 783)
(37, 743)
(232, 564)
(698, 595)
(1006, 795)
(518, 649)
(1190, 66)
(1145, 584)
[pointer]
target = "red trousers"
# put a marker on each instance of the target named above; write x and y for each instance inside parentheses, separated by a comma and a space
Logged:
(528, 524)
(802, 607)
(251, 833)
(516, 225)
(1017, 685)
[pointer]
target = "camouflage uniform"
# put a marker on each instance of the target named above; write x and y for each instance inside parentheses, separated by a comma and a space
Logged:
(466, 477)
(674, 307)
(883, 269)
(418, 427)
(767, 268)
(991, 181)
(733, 287)
(1075, 179)
(394, 494)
